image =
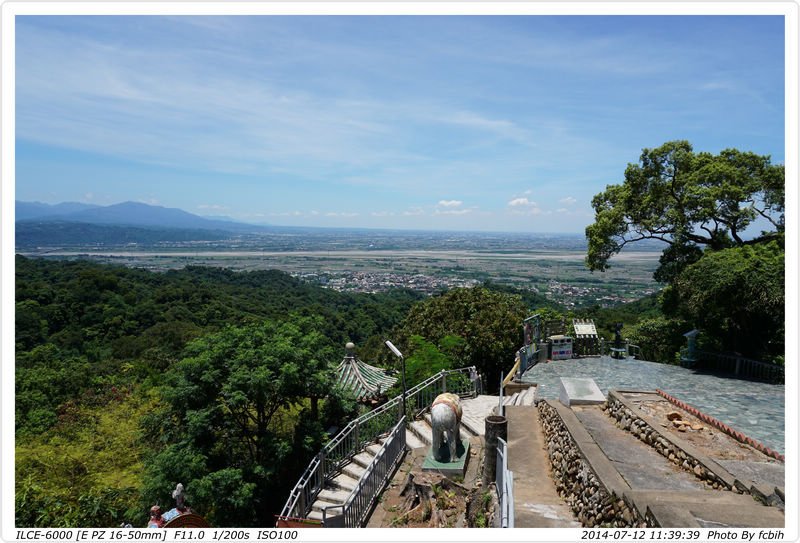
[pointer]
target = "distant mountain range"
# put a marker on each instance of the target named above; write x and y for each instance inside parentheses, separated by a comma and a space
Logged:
(133, 214)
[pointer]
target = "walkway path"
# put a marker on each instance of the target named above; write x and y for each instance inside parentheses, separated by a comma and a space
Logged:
(536, 502)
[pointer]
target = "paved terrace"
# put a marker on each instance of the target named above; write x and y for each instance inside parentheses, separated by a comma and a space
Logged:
(755, 409)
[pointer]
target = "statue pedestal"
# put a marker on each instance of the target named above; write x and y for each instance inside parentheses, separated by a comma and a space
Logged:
(456, 467)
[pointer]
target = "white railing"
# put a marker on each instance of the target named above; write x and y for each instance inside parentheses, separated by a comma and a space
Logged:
(353, 512)
(368, 428)
(504, 482)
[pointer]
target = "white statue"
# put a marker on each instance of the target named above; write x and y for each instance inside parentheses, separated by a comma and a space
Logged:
(446, 418)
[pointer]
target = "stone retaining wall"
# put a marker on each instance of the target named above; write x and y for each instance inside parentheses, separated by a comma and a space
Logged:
(592, 502)
(631, 422)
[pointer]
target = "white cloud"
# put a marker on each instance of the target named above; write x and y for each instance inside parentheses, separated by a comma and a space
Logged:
(342, 214)
(413, 212)
(382, 213)
(569, 200)
(449, 203)
(499, 127)
(285, 214)
(453, 211)
(523, 206)
(213, 207)
(520, 202)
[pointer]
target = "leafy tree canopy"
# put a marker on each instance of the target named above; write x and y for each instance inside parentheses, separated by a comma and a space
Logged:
(223, 397)
(688, 200)
(490, 324)
(736, 296)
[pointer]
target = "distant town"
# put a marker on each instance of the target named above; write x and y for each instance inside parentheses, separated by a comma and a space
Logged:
(568, 295)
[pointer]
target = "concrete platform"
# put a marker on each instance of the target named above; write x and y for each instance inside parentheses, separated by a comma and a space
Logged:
(454, 468)
(536, 502)
(579, 391)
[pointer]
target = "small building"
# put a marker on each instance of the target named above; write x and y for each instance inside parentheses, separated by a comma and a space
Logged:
(368, 384)
(587, 342)
(560, 347)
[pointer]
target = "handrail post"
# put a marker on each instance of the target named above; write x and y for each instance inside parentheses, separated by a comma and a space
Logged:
(444, 381)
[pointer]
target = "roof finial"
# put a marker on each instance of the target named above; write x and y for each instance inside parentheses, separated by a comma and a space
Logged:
(350, 347)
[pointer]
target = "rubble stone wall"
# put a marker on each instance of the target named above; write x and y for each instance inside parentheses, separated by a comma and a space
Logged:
(590, 500)
(631, 422)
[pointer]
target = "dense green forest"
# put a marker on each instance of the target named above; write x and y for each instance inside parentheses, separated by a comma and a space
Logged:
(128, 381)
(101, 362)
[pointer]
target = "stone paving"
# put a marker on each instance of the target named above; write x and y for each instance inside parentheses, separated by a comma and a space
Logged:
(756, 409)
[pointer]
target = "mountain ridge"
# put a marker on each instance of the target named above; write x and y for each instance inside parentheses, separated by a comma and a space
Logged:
(136, 214)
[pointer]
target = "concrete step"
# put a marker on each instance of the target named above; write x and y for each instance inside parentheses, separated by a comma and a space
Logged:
(344, 481)
(509, 400)
(333, 495)
(422, 430)
(314, 515)
(467, 429)
(413, 442)
(320, 503)
(353, 470)
(528, 396)
(364, 458)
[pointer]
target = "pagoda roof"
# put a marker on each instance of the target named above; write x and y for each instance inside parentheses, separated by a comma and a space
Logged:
(364, 381)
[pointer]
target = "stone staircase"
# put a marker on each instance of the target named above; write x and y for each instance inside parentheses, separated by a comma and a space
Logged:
(338, 489)
(418, 434)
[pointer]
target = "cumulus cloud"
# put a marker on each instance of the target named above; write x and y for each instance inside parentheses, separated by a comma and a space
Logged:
(520, 202)
(382, 213)
(524, 206)
(569, 200)
(413, 212)
(449, 203)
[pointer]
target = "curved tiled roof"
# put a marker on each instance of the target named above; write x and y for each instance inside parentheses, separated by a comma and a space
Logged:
(364, 381)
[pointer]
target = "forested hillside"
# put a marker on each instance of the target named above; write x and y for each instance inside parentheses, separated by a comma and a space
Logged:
(101, 356)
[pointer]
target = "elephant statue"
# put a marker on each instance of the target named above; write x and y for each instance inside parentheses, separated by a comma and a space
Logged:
(446, 419)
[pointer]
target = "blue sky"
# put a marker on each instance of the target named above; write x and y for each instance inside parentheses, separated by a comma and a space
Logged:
(462, 123)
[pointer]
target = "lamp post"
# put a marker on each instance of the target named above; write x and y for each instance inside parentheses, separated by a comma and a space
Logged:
(399, 355)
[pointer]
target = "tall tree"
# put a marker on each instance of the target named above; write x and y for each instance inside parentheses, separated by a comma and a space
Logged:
(489, 323)
(690, 201)
(222, 399)
(725, 282)
(736, 296)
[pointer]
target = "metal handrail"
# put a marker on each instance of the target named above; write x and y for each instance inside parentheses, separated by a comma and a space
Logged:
(504, 484)
(366, 429)
(355, 508)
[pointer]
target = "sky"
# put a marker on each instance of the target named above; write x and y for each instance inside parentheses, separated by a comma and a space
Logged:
(490, 123)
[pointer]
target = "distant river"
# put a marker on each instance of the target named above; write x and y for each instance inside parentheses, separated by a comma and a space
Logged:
(755, 409)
